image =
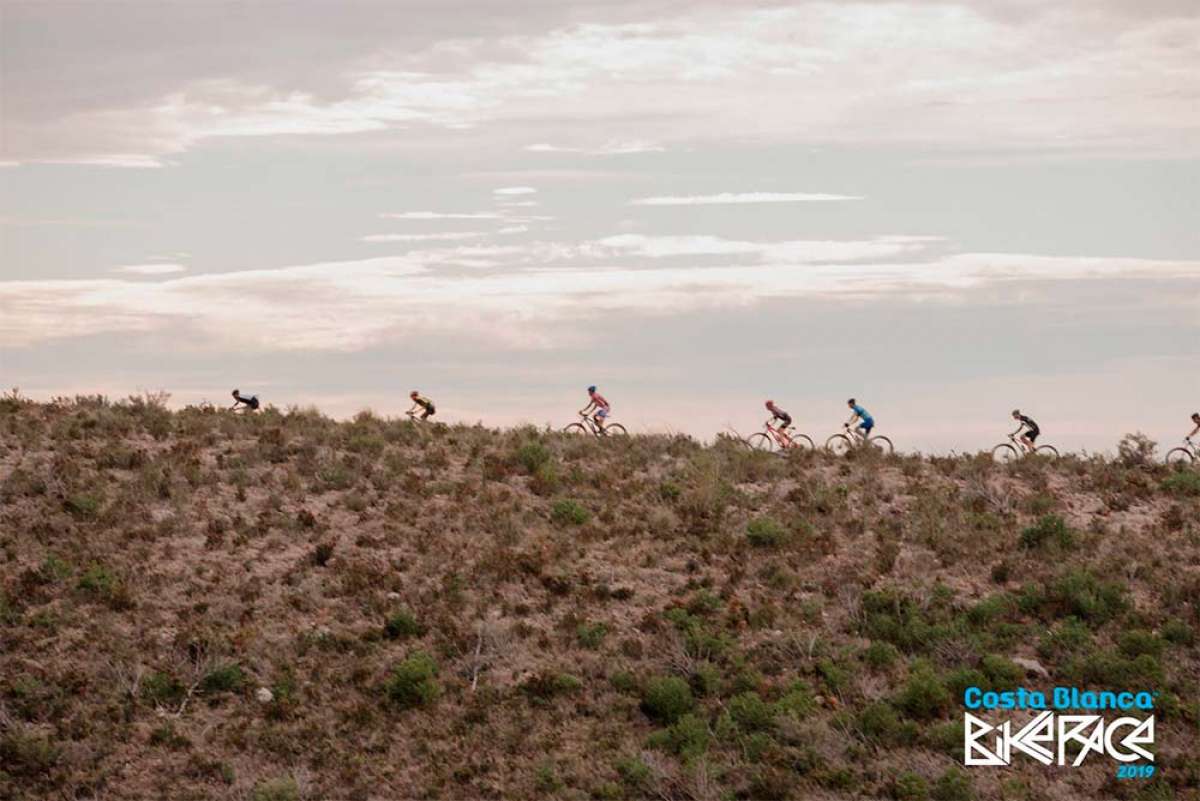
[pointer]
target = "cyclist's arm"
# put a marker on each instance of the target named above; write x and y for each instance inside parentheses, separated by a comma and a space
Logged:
(587, 408)
(1195, 431)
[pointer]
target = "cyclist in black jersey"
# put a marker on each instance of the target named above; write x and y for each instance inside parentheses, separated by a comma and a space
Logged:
(1029, 427)
(422, 403)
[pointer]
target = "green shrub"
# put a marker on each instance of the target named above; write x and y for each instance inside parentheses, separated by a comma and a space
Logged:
(284, 789)
(82, 506)
(688, 737)
(1002, 674)
(1049, 530)
(667, 698)
(1079, 593)
(634, 772)
(543, 687)
(223, 679)
(765, 532)
(910, 787)
(163, 689)
(591, 635)
(798, 701)
(880, 655)
(1184, 484)
(1177, 632)
(27, 755)
(532, 455)
(953, 785)
(924, 695)
(566, 512)
(750, 712)
(414, 681)
(879, 724)
(1119, 672)
(546, 778)
(1135, 642)
(401, 625)
(989, 610)
(623, 681)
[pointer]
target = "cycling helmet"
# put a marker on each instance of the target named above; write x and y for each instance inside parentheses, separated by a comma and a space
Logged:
(1196, 415)
(1016, 412)
(235, 393)
(591, 389)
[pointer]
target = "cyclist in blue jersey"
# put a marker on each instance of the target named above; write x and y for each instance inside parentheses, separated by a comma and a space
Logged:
(865, 421)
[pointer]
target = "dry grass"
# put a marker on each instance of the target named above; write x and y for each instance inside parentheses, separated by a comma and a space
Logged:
(280, 606)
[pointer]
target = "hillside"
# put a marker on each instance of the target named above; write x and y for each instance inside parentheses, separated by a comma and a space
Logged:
(199, 605)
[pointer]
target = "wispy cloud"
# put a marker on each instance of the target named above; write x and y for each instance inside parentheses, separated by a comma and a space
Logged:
(610, 148)
(785, 252)
(440, 215)
(158, 268)
(506, 191)
(740, 197)
(444, 236)
(352, 305)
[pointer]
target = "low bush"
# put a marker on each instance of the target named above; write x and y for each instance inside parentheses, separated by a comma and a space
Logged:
(667, 698)
(414, 681)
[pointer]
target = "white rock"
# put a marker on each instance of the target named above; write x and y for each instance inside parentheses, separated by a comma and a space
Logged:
(264, 695)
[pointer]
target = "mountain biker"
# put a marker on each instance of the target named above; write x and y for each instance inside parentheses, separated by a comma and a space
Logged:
(785, 419)
(1031, 430)
(600, 404)
(251, 401)
(422, 403)
(1196, 430)
(865, 421)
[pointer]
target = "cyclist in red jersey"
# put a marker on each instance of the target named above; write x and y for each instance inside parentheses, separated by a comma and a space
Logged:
(596, 402)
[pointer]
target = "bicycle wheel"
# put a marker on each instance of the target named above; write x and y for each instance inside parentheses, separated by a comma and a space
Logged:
(1005, 453)
(761, 442)
(881, 444)
(802, 442)
(1046, 450)
(615, 430)
(1180, 456)
(576, 428)
(839, 444)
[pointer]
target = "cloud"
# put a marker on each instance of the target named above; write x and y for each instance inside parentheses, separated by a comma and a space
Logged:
(514, 190)
(785, 252)
(158, 268)
(345, 306)
(445, 236)
(739, 197)
(1066, 77)
(610, 148)
(438, 215)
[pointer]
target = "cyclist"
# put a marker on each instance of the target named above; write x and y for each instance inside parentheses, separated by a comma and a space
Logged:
(422, 403)
(1196, 430)
(1030, 427)
(597, 402)
(865, 421)
(785, 419)
(251, 402)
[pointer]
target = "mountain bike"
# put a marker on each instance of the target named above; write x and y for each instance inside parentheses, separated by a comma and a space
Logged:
(1188, 453)
(1015, 449)
(773, 438)
(842, 444)
(587, 425)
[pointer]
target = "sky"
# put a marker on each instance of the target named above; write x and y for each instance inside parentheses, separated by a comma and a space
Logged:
(943, 209)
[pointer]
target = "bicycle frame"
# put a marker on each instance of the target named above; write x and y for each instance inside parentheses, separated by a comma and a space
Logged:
(780, 436)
